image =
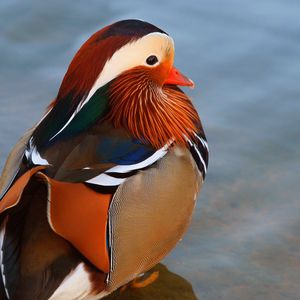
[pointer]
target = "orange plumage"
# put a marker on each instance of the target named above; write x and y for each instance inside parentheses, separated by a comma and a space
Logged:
(154, 115)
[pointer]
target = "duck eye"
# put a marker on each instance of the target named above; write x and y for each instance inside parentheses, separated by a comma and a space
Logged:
(151, 60)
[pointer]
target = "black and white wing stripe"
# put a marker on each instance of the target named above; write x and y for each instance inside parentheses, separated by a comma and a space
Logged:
(200, 152)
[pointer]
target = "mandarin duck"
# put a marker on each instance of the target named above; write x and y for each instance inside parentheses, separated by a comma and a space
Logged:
(104, 186)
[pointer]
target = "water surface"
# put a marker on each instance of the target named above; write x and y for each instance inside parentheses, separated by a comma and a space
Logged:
(244, 57)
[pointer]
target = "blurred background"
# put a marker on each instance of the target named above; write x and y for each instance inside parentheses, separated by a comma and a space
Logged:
(244, 57)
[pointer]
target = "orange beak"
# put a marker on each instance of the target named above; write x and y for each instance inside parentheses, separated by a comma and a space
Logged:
(175, 77)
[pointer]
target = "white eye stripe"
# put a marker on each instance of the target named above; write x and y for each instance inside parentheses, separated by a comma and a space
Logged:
(131, 55)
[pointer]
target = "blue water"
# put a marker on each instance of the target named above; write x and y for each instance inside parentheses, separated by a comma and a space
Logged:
(244, 57)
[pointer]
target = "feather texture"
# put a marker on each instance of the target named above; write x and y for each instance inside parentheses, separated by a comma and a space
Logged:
(87, 195)
(153, 115)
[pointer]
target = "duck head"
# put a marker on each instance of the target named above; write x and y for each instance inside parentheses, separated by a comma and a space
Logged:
(134, 61)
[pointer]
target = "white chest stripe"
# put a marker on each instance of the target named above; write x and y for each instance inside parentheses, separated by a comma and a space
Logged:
(199, 154)
(203, 142)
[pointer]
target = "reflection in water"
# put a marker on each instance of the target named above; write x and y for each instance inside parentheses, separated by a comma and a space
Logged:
(168, 286)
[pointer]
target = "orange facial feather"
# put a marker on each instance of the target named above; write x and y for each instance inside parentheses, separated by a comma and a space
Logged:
(152, 113)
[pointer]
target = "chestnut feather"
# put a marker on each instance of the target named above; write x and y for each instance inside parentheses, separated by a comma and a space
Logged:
(152, 113)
